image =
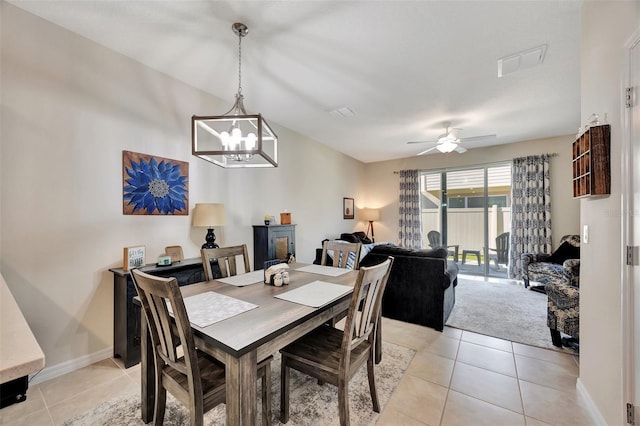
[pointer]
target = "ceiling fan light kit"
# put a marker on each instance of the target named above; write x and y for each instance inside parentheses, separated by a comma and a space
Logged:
(446, 146)
(235, 139)
(449, 141)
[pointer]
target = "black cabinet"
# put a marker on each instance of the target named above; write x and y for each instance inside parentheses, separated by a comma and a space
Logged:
(126, 314)
(272, 242)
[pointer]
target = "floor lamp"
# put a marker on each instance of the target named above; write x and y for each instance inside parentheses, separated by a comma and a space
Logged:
(370, 215)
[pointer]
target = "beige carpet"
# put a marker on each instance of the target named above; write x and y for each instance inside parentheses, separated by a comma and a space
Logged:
(310, 403)
(504, 310)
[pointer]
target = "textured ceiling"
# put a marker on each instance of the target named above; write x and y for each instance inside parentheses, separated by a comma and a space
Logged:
(403, 67)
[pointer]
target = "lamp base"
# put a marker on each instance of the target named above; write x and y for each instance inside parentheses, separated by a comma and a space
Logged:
(373, 238)
(211, 240)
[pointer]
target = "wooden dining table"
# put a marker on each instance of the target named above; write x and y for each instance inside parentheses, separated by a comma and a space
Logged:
(240, 341)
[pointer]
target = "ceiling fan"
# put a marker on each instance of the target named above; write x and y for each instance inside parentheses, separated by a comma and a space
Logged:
(449, 141)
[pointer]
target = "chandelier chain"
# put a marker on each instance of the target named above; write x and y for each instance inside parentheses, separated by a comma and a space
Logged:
(239, 64)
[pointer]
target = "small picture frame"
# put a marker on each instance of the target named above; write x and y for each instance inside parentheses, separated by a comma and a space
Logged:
(348, 208)
(134, 257)
(175, 252)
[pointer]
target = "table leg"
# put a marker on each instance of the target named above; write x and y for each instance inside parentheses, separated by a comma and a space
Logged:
(241, 376)
(147, 371)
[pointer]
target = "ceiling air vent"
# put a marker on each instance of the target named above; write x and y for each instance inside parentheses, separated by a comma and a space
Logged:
(522, 60)
(342, 112)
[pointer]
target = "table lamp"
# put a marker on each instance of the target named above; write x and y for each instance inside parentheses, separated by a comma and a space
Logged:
(370, 215)
(209, 215)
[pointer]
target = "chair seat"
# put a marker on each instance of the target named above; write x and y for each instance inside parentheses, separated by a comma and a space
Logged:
(212, 375)
(322, 349)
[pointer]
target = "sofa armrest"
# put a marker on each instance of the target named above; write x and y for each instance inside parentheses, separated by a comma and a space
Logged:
(572, 266)
(563, 296)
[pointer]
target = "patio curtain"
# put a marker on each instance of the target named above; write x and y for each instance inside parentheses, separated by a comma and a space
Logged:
(530, 210)
(410, 223)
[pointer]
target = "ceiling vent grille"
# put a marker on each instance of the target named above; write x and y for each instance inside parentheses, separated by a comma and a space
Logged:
(521, 60)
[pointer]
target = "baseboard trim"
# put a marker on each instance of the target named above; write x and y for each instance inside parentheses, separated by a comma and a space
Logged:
(595, 414)
(57, 370)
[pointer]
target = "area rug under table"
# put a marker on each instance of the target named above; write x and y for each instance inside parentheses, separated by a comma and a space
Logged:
(504, 310)
(310, 403)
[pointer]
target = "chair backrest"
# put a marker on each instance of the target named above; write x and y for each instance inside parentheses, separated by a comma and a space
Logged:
(341, 251)
(154, 294)
(366, 298)
(226, 258)
(435, 239)
(502, 247)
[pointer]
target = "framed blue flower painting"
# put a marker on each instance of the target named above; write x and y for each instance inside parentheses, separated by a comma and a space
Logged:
(154, 185)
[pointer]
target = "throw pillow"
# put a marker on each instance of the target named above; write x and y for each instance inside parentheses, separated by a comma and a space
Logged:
(564, 252)
(349, 238)
(362, 237)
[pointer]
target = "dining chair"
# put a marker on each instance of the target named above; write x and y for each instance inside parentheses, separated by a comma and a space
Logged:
(344, 254)
(225, 257)
(334, 356)
(194, 378)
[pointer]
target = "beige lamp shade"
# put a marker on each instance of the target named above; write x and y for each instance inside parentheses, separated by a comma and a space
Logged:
(369, 214)
(209, 215)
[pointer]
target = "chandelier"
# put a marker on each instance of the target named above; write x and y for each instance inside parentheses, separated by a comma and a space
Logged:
(235, 139)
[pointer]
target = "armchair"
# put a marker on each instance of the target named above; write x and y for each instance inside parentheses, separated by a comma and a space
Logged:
(559, 273)
(563, 312)
(562, 266)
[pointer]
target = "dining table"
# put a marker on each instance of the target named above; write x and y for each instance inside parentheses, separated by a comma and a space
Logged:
(240, 341)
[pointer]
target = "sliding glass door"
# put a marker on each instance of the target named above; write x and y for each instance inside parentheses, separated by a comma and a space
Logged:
(469, 209)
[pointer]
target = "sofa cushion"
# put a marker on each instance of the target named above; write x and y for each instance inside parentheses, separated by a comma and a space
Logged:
(564, 252)
(439, 253)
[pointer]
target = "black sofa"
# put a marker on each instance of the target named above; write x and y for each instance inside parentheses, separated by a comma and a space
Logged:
(421, 286)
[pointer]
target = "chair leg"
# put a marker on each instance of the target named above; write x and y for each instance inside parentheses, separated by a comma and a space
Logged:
(266, 395)
(161, 399)
(343, 401)
(284, 391)
(556, 339)
(372, 385)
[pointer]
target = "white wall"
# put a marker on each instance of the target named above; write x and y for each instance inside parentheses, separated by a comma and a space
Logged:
(606, 26)
(69, 109)
(382, 182)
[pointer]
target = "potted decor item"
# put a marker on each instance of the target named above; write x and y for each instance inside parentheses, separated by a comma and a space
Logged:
(267, 219)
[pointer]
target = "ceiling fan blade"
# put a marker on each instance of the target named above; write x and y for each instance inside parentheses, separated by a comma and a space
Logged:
(421, 142)
(426, 150)
(484, 138)
(461, 149)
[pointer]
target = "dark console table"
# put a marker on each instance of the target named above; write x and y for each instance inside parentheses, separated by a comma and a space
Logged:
(126, 314)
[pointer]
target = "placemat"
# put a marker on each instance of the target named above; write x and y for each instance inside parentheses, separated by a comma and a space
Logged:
(242, 280)
(324, 270)
(209, 308)
(315, 294)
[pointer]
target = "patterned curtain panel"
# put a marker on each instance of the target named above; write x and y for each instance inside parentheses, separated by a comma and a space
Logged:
(530, 210)
(410, 224)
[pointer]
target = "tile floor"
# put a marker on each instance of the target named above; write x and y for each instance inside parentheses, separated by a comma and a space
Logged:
(455, 378)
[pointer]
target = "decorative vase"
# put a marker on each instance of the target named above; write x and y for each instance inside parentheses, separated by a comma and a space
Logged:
(266, 222)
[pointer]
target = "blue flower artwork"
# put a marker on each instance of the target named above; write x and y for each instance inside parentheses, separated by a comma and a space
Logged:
(154, 185)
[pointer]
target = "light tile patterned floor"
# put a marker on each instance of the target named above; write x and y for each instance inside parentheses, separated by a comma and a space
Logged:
(455, 378)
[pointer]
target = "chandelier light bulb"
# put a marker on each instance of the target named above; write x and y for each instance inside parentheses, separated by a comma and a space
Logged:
(250, 141)
(225, 139)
